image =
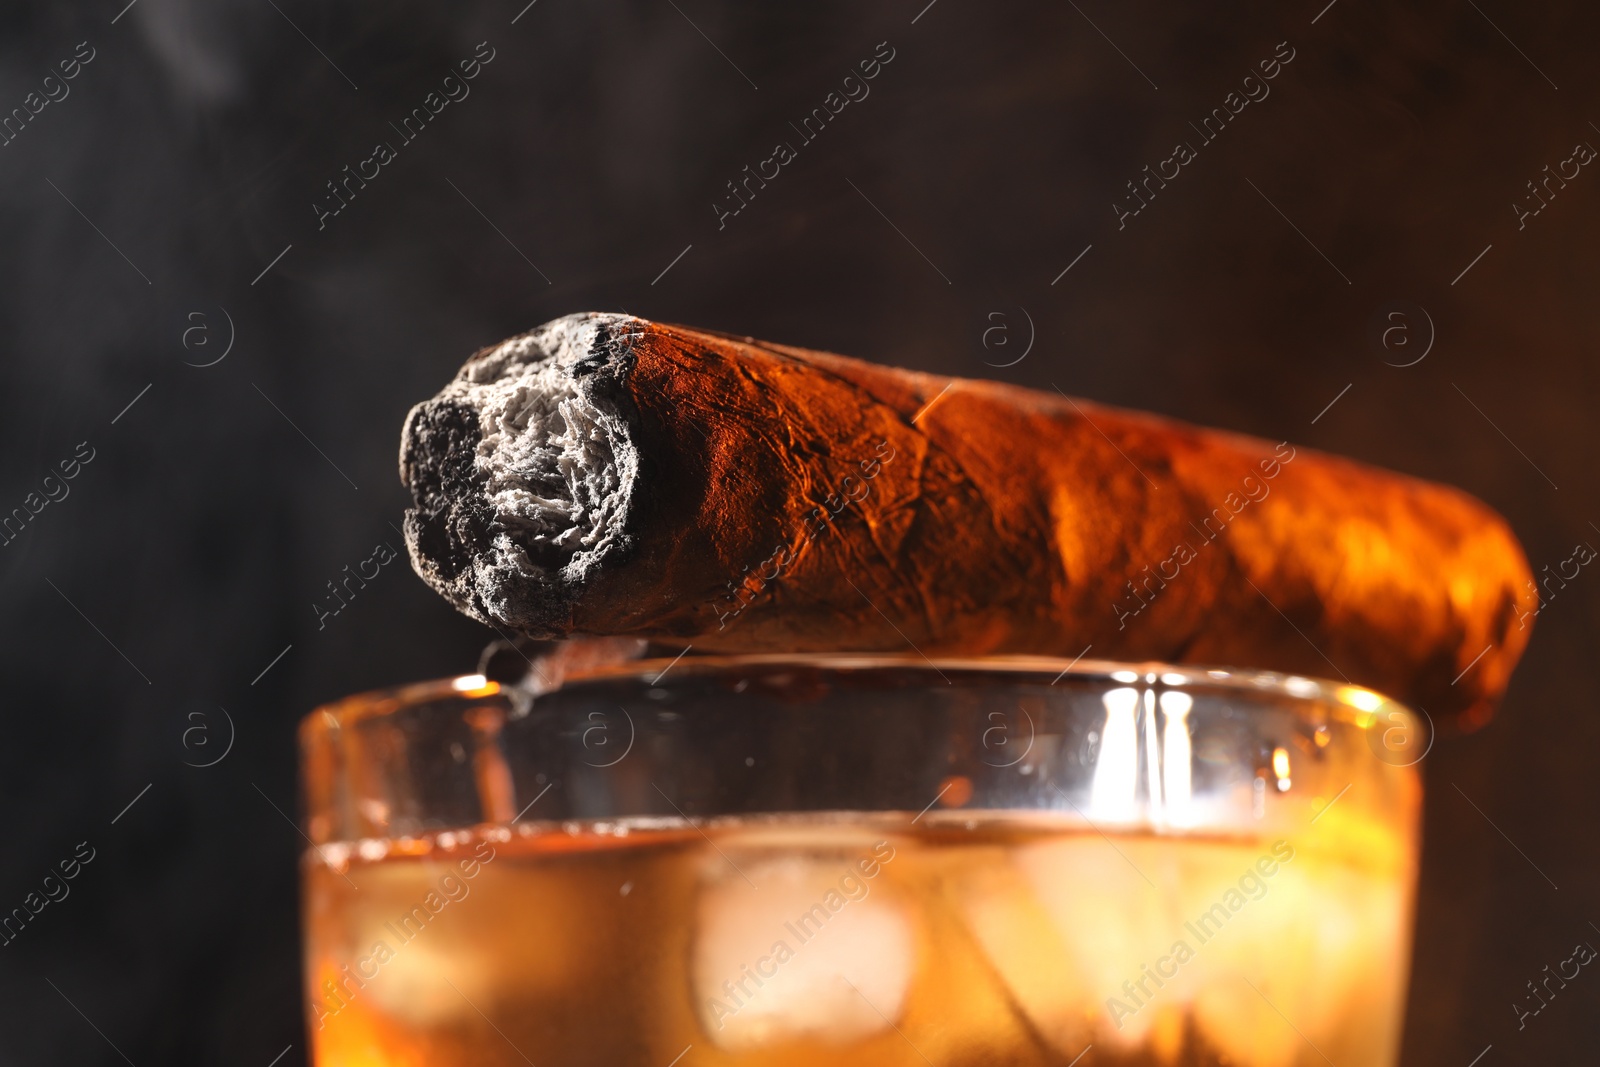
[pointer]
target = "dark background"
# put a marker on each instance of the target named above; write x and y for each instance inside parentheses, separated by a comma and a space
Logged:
(190, 550)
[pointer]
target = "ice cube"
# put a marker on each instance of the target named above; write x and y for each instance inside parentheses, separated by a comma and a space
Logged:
(1324, 946)
(819, 951)
(1118, 941)
(1023, 947)
(427, 986)
(407, 945)
(430, 958)
(1114, 907)
(1244, 1028)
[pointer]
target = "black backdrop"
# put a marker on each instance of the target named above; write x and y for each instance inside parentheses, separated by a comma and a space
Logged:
(161, 206)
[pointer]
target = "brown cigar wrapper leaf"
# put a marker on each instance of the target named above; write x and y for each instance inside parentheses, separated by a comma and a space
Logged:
(784, 500)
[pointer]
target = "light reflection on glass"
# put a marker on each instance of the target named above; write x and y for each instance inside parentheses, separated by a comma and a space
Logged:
(1116, 771)
(1363, 699)
(1176, 756)
(1152, 754)
(1280, 768)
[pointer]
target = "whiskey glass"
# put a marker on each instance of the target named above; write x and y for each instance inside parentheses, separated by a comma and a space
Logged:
(762, 860)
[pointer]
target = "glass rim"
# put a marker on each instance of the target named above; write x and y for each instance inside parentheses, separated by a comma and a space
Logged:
(1355, 703)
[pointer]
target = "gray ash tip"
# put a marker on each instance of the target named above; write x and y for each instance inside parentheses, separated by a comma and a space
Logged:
(522, 471)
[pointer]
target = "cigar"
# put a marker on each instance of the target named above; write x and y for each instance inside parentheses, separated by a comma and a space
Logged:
(607, 475)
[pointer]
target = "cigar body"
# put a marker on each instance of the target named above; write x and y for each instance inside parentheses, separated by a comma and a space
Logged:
(746, 496)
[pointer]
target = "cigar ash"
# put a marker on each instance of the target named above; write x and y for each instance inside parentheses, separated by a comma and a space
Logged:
(523, 469)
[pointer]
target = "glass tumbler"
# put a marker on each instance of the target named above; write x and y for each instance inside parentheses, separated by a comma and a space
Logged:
(765, 860)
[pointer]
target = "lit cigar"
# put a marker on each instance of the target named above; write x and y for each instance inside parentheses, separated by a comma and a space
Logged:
(606, 475)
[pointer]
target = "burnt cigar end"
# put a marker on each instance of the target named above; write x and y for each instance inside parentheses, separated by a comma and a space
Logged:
(522, 473)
